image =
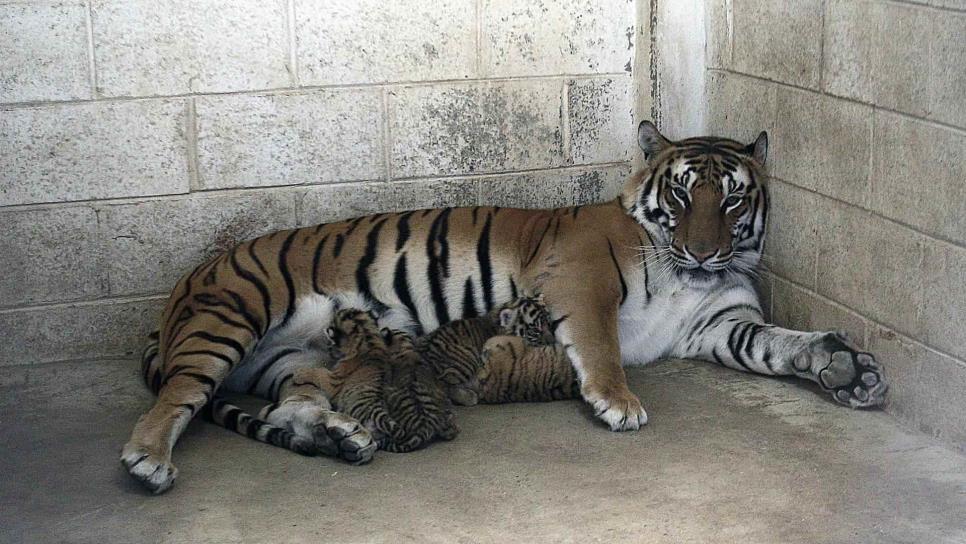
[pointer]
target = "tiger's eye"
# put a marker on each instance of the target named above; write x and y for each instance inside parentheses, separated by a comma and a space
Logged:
(680, 193)
(732, 200)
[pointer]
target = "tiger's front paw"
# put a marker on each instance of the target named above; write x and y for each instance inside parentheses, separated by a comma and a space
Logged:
(620, 409)
(853, 378)
(154, 473)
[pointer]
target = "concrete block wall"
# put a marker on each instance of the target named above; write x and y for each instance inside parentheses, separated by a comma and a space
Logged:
(138, 137)
(864, 103)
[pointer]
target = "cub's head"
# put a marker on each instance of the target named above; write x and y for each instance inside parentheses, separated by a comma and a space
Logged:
(528, 318)
(354, 332)
(703, 202)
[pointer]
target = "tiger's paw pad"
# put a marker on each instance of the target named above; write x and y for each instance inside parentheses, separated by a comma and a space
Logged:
(341, 436)
(853, 377)
(620, 411)
(154, 473)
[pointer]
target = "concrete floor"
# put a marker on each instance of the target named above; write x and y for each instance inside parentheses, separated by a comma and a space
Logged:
(726, 458)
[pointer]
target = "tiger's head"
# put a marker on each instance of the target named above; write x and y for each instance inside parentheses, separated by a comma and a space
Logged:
(527, 317)
(703, 202)
(353, 332)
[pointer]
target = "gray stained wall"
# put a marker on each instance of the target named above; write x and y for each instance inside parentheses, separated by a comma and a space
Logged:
(141, 136)
(866, 105)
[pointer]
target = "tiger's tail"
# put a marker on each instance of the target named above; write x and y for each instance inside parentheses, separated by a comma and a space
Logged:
(221, 412)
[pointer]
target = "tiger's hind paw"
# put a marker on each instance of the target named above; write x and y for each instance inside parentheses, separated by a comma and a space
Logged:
(341, 436)
(154, 473)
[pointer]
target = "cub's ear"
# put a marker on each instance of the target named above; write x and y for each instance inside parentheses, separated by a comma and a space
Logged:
(507, 316)
(650, 140)
(759, 148)
(330, 332)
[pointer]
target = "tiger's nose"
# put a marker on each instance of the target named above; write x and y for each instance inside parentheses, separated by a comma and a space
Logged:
(700, 255)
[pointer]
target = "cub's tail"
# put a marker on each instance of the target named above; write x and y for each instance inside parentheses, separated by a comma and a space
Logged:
(219, 411)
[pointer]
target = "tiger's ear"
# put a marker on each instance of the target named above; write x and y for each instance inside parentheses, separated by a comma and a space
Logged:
(506, 317)
(650, 140)
(759, 148)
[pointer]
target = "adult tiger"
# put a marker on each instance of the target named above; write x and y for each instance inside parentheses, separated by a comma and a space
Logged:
(663, 270)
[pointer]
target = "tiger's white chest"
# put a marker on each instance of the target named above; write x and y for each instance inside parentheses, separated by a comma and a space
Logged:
(650, 328)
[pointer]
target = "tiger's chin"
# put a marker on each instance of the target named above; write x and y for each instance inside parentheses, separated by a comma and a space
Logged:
(699, 277)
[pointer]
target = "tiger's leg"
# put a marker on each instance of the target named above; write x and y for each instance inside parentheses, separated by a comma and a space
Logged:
(222, 412)
(588, 328)
(304, 408)
(200, 358)
(736, 336)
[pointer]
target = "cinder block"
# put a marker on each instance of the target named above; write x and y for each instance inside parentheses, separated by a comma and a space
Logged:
(879, 53)
(50, 255)
(765, 286)
(601, 120)
(822, 143)
(553, 189)
(791, 238)
(918, 173)
(947, 81)
(944, 268)
(719, 21)
(327, 204)
(92, 150)
(537, 37)
(795, 308)
(152, 244)
(871, 266)
(475, 128)
(80, 331)
(777, 40)
(942, 382)
(290, 139)
(43, 52)
(739, 107)
(901, 359)
(373, 41)
(145, 47)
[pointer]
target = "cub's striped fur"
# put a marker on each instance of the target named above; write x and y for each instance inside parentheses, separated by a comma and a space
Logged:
(380, 381)
(665, 269)
(515, 371)
(455, 350)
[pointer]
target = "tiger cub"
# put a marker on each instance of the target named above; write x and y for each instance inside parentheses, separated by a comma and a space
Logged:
(514, 371)
(456, 352)
(380, 380)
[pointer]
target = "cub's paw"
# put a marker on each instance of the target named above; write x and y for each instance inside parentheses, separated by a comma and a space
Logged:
(341, 436)
(463, 395)
(154, 473)
(853, 378)
(618, 408)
